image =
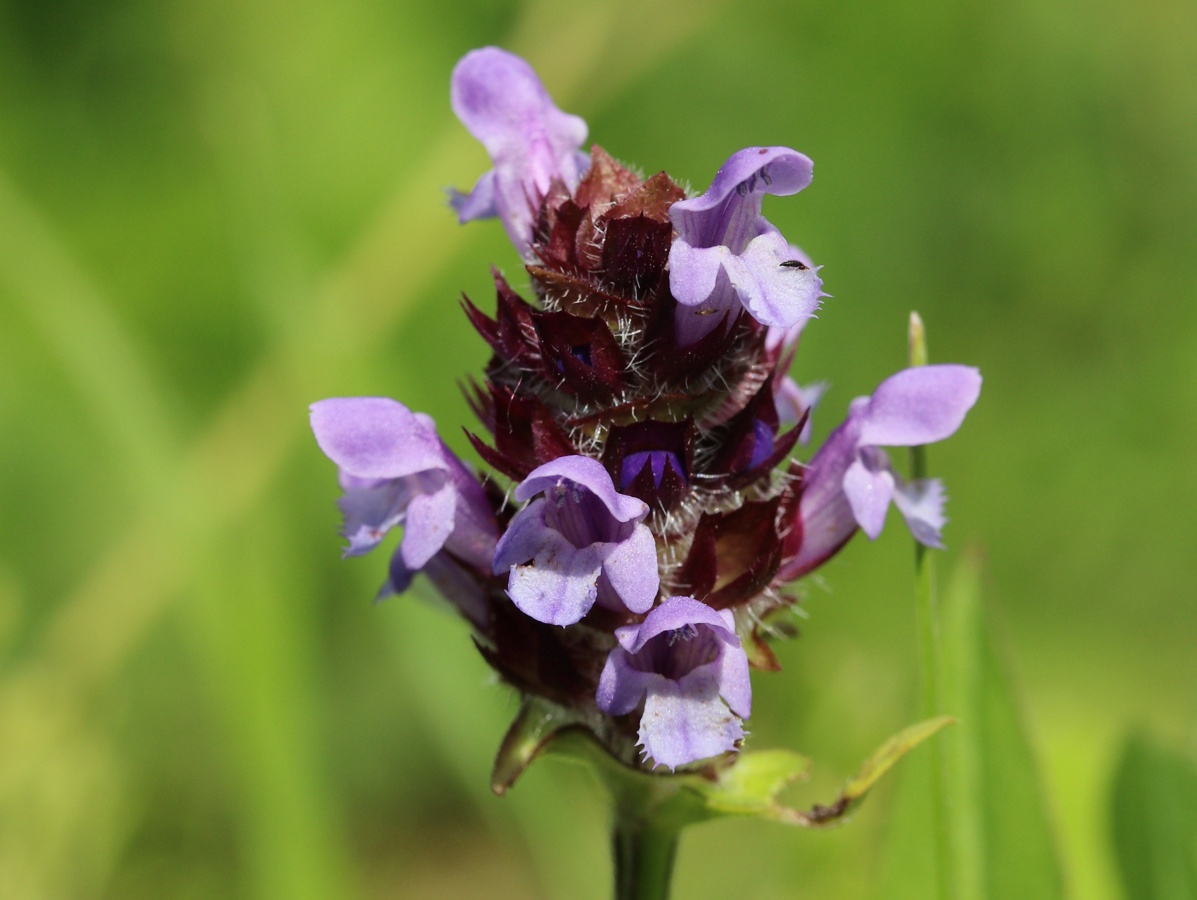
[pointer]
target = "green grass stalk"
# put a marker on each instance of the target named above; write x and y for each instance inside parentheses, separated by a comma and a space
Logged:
(926, 608)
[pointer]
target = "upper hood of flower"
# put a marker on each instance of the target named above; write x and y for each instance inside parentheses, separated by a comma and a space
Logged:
(502, 102)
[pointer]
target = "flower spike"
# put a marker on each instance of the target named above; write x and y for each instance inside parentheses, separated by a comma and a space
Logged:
(623, 558)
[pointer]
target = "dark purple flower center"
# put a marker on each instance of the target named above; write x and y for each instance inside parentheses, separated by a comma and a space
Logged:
(762, 443)
(675, 654)
(581, 517)
(687, 632)
(634, 463)
(580, 352)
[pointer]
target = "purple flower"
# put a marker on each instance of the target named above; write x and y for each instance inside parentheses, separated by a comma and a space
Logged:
(500, 99)
(457, 582)
(395, 470)
(581, 542)
(657, 462)
(651, 460)
(850, 483)
(727, 255)
(685, 662)
(795, 401)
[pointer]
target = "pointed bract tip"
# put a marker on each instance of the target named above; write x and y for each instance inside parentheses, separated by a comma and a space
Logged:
(917, 339)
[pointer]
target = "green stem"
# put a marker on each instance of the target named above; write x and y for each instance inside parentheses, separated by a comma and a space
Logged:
(649, 811)
(927, 623)
(644, 852)
(926, 614)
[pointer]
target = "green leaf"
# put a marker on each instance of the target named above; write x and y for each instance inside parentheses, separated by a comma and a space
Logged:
(1003, 847)
(752, 786)
(888, 754)
(1154, 811)
(536, 725)
(743, 785)
(749, 784)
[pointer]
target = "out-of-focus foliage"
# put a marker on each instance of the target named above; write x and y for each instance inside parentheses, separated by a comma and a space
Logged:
(1153, 813)
(213, 213)
(1002, 841)
(1001, 844)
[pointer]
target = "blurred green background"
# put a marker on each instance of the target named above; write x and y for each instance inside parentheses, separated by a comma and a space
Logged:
(213, 213)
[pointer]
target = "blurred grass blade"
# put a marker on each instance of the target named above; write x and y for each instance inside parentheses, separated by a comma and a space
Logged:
(125, 396)
(1154, 811)
(1004, 848)
(254, 644)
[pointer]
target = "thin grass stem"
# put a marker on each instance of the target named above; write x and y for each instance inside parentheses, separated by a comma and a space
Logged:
(926, 606)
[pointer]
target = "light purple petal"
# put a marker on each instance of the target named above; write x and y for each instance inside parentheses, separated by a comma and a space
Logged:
(793, 400)
(375, 437)
(472, 541)
(672, 614)
(681, 725)
(735, 686)
(919, 406)
(693, 271)
(781, 343)
(621, 687)
(921, 504)
(692, 323)
(480, 203)
(729, 211)
(399, 578)
(369, 513)
(590, 474)
(503, 104)
(787, 398)
(474, 528)
(430, 519)
(774, 291)
(779, 171)
(561, 584)
(826, 518)
(631, 569)
(523, 537)
(868, 493)
(395, 470)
